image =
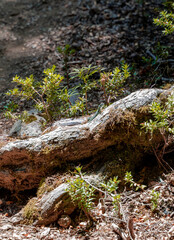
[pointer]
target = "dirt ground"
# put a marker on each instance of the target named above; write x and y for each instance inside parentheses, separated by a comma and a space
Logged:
(103, 32)
(25, 27)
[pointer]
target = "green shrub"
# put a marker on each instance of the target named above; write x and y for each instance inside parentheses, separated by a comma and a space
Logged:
(46, 95)
(51, 98)
(166, 20)
(86, 74)
(162, 122)
(112, 82)
(129, 179)
(81, 193)
(111, 187)
(154, 199)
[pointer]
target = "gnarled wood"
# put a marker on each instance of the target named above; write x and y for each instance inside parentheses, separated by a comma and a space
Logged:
(24, 162)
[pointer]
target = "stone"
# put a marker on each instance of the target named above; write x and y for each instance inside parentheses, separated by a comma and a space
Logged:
(14, 131)
(64, 221)
(74, 95)
(31, 128)
(45, 233)
(53, 203)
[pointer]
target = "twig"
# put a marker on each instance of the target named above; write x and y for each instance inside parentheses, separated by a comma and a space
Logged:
(90, 42)
(152, 55)
(167, 60)
(122, 212)
(131, 228)
(118, 231)
(118, 219)
(75, 62)
(159, 60)
(130, 197)
(167, 79)
(98, 189)
(169, 151)
(166, 143)
(159, 161)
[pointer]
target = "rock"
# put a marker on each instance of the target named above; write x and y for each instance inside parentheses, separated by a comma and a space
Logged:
(74, 95)
(15, 129)
(31, 128)
(53, 204)
(83, 224)
(64, 221)
(45, 233)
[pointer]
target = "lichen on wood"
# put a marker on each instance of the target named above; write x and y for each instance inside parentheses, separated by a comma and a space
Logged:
(117, 124)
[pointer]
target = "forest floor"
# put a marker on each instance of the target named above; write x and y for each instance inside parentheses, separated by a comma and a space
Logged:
(103, 32)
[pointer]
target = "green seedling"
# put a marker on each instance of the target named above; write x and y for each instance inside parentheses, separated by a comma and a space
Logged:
(154, 200)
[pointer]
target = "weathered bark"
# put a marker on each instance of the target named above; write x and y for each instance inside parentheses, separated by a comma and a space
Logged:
(51, 205)
(24, 162)
(47, 209)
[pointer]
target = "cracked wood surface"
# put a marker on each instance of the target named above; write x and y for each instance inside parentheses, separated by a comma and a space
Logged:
(24, 162)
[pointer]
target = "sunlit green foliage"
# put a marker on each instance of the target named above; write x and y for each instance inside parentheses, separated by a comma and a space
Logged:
(112, 83)
(86, 74)
(162, 117)
(81, 193)
(162, 122)
(46, 95)
(129, 179)
(166, 20)
(53, 99)
(154, 199)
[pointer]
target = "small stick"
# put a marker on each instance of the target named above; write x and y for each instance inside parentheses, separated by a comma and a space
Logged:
(152, 55)
(118, 231)
(131, 228)
(159, 60)
(90, 42)
(75, 62)
(167, 79)
(167, 60)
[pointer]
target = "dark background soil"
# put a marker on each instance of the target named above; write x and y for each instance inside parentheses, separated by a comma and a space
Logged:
(103, 32)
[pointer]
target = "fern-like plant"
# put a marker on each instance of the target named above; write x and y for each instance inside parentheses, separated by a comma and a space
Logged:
(166, 20)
